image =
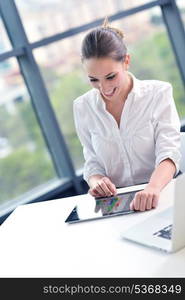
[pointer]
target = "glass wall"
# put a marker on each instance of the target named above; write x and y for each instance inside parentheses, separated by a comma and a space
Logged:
(25, 162)
(65, 80)
(181, 6)
(24, 159)
(4, 41)
(151, 52)
(151, 58)
(64, 14)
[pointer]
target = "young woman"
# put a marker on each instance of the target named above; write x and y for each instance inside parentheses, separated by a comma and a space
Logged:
(129, 128)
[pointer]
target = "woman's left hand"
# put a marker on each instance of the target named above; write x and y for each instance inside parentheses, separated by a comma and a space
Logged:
(145, 199)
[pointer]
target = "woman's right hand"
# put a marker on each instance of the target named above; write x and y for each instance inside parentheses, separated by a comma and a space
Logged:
(101, 186)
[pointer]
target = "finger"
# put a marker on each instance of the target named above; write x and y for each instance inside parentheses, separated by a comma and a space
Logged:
(105, 189)
(100, 191)
(143, 199)
(149, 202)
(155, 201)
(96, 192)
(97, 189)
(93, 193)
(111, 186)
(136, 201)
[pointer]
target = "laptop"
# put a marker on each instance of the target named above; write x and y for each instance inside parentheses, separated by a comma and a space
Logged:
(164, 230)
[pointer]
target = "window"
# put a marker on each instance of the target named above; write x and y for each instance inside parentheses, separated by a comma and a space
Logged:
(64, 14)
(33, 157)
(24, 159)
(181, 6)
(151, 52)
(4, 41)
(65, 80)
(128, 4)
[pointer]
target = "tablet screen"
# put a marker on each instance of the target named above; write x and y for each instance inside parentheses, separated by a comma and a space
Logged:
(96, 208)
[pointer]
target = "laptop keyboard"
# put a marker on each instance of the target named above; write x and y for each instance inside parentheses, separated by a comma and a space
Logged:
(165, 233)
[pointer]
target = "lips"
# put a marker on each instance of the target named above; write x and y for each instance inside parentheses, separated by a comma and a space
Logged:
(109, 93)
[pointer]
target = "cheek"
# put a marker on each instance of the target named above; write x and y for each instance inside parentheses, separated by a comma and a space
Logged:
(119, 80)
(94, 84)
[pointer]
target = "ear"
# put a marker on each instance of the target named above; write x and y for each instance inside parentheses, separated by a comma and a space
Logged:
(126, 61)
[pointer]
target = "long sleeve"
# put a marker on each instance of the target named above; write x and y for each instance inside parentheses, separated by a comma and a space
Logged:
(149, 133)
(167, 127)
(91, 166)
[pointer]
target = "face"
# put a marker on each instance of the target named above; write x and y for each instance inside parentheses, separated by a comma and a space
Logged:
(110, 77)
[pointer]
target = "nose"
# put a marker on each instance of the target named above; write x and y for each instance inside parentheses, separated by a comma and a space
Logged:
(103, 86)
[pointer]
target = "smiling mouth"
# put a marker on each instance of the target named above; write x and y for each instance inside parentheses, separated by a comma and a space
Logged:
(109, 94)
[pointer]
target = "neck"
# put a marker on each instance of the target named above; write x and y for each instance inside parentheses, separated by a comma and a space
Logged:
(128, 87)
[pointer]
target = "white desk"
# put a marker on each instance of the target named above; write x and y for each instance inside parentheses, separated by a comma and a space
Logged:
(36, 242)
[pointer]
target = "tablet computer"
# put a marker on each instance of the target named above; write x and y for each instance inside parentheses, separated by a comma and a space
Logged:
(98, 208)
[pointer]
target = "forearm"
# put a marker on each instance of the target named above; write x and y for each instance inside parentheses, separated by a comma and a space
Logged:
(162, 174)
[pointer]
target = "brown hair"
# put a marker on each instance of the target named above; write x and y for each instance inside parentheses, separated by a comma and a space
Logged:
(104, 41)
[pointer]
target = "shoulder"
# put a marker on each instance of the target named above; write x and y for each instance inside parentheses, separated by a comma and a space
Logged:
(155, 86)
(84, 106)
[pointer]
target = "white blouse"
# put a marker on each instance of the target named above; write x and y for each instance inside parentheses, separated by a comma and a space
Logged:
(149, 132)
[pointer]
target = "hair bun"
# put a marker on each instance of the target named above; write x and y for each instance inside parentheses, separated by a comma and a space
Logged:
(116, 30)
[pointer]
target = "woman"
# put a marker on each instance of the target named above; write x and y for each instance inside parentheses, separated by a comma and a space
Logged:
(129, 128)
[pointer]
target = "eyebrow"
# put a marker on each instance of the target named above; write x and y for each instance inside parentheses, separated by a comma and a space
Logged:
(105, 75)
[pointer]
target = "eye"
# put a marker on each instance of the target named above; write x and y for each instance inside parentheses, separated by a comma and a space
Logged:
(111, 77)
(93, 79)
